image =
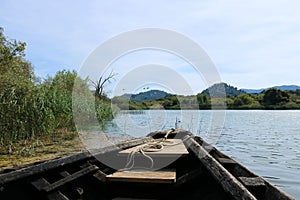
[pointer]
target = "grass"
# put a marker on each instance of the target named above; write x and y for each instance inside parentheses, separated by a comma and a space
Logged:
(37, 119)
(39, 149)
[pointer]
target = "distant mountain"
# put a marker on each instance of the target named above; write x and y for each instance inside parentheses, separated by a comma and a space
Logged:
(126, 96)
(217, 90)
(288, 87)
(253, 91)
(146, 96)
(282, 87)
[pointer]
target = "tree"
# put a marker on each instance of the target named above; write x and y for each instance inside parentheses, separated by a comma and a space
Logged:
(63, 81)
(274, 96)
(204, 100)
(16, 74)
(243, 99)
(171, 102)
(100, 84)
(12, 59)
(17, 106)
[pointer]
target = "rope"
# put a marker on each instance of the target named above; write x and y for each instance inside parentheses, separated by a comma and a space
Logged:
(152, 146)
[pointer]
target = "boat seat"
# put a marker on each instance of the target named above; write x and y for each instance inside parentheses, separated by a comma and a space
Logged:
(163, 176)
(40, 183)
(43, 185)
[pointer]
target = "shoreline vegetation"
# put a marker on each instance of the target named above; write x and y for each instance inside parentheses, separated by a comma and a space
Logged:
(37, 121)
(36, 115)
(269, 99)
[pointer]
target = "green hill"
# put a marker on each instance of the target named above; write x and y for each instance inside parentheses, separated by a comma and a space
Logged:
(222, 89)
(146, 96)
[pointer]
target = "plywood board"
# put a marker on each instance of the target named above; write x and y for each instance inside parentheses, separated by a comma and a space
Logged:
(172, 147)
(143, 176)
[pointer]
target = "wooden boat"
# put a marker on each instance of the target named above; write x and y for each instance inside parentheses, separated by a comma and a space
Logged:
(197, 171)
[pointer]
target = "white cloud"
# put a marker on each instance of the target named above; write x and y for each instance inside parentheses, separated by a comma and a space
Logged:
(244, 38)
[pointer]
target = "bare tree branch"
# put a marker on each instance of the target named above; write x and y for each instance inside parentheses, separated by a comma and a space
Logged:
(100, 84)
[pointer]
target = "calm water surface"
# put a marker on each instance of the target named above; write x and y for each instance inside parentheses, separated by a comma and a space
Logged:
(266, 142)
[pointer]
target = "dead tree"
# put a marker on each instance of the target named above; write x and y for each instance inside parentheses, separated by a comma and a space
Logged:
(100, 84)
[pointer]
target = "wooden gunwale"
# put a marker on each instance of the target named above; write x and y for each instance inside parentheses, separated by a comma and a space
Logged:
(232, 177)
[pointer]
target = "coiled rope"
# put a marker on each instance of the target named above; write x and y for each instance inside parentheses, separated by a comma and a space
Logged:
(154, 145)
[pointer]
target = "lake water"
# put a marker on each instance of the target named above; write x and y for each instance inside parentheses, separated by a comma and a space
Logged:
(266, 142)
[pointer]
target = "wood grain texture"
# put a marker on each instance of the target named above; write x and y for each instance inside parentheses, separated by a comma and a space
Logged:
(143, 176)
(228, 182)
(252, 181)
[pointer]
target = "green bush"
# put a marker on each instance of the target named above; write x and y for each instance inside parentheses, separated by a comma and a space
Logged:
(31, 110)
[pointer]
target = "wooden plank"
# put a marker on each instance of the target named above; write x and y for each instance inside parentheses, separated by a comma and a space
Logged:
(45, 166)
(228, 182)
(252, 181)
(57, 195)
(64, 174)
(101, 176)
(177, 133)
(143, 176)
(40, 183)
(171, 147)
(60, 162)
(70, 178)
(189, 176)
(122, 145)
(226, 161)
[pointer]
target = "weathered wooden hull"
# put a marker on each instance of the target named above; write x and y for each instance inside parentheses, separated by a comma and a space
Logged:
(205, 173)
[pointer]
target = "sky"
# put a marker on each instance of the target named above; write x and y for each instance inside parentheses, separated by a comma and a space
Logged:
(253, 44)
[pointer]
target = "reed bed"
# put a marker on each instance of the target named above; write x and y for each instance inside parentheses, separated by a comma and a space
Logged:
(34, 114)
